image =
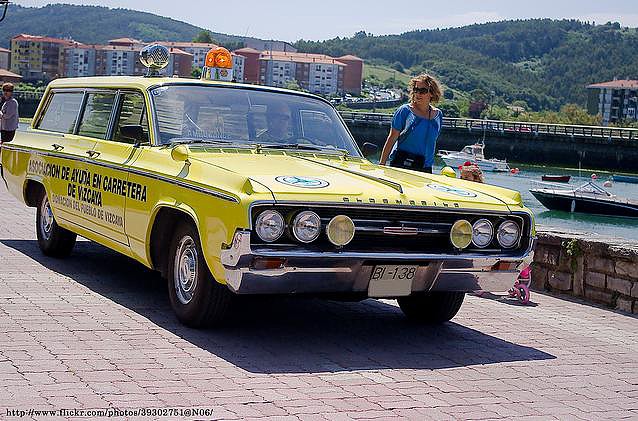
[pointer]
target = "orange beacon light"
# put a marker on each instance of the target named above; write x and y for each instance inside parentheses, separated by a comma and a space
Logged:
(218, 65)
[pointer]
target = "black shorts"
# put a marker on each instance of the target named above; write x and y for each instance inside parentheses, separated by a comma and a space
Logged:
(7, 135)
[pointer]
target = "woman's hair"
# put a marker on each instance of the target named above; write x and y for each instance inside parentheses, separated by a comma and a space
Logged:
(7, 87)
(430, 82)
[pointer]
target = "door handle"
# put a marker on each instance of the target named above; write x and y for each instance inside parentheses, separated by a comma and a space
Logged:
(57, 147)
(92, 153)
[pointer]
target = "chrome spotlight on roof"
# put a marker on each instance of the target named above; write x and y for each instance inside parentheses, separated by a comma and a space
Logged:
(154, 57)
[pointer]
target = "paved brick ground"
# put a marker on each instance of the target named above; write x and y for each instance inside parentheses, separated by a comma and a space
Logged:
(96, 331)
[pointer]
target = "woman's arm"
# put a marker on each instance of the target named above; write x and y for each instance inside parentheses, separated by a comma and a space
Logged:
(10, 110)
(389, 144)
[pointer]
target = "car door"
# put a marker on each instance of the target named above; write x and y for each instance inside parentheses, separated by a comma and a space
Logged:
(63, 151)
(106, 192)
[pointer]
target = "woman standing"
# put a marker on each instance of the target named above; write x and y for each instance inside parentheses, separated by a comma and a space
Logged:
(415, 127)
(8, 114)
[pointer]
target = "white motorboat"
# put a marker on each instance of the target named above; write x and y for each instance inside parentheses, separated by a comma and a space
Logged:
(474, 154)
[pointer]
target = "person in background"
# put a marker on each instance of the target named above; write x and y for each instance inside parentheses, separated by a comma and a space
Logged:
(8, 114)
(415, 127)
(471, 172)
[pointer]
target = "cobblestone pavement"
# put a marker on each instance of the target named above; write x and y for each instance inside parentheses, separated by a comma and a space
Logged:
(96, 331)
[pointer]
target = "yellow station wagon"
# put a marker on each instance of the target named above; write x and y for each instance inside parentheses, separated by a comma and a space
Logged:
(231, 189)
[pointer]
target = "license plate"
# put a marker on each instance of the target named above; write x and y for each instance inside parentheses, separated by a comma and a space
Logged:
(391, 280)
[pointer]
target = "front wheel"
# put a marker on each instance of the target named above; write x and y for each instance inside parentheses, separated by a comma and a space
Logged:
(196, 298)
(53, 240)
(432, 307)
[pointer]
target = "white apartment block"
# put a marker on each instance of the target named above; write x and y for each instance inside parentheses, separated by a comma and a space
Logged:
(79, 61)
(323, 78)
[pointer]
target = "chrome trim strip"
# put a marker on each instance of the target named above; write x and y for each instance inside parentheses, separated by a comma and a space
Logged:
(244, 236)
(127, 169)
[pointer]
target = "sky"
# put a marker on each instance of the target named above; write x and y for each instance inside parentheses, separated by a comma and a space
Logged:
(291, 20)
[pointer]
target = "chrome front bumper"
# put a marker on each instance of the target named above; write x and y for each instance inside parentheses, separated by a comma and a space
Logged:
(346, 272)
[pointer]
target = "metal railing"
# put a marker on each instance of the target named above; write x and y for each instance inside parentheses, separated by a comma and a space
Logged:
(500, 126)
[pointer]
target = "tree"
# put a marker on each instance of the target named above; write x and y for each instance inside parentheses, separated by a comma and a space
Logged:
(450, 109)
(204, 37)
(293, 85)
(196, 72)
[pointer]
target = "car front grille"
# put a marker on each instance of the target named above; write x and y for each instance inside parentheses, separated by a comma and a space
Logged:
(393, 229)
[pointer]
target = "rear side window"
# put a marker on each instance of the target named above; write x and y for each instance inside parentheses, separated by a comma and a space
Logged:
(132, 112)
(62, 112)
(97, 114)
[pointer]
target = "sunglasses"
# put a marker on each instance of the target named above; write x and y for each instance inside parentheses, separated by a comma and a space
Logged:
(421, 90)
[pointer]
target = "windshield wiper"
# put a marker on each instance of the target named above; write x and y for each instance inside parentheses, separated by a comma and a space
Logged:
(303, 146)
(190, 140)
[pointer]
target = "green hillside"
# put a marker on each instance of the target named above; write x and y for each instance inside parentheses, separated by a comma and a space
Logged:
(96, 25)
(546, 63)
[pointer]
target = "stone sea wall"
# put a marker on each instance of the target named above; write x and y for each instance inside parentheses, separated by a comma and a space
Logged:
(600, 271)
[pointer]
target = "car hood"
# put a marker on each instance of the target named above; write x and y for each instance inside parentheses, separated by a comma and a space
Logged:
(329, 178)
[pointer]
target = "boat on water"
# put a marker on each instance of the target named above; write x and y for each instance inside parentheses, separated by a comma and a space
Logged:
(474, 154)
(588, 198)
(625, 178)
(556, 178)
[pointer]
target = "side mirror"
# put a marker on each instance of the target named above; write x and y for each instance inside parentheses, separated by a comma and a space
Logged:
(134, 132)
(369, 149)
(180, 153)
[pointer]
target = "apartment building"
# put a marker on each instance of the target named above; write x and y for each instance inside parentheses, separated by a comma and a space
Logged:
(614, 100)
(119, 60)
(316, 73)
(38, 58)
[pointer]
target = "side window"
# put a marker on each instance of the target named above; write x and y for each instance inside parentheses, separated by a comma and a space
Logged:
(96, 116)
(61, 113)
(132, 113)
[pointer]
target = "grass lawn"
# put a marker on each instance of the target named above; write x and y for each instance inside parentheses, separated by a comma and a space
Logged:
(384, 72)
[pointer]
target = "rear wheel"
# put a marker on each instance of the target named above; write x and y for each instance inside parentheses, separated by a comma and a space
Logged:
(432, 307)
(53, 240)
(196, 298)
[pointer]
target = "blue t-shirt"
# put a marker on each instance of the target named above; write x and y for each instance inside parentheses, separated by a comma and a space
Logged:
(422, 138)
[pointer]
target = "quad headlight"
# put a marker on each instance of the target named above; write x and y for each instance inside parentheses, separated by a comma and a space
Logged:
(461, 234)
(508, 234)
(269, 225)
(482, 233)
(306, 226)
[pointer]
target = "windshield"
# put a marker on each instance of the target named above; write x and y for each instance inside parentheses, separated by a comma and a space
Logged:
(200, 113)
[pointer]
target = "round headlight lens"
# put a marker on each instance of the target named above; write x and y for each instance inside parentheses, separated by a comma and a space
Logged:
(482, 233)
(306, 226)
(461, 234)
(340, 230)
(508, 234)
(269, 225)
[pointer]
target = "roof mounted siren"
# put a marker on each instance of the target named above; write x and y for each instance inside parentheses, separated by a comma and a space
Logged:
(218, 65)
(154, 57)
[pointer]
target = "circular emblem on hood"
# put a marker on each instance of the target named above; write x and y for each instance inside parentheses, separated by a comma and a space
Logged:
(304, 182)
(451, 190)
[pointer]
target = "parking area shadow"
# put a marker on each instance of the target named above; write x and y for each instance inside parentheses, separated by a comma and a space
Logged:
(289, 334)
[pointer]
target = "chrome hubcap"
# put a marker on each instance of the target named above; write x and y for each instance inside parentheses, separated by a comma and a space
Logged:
(185, 270)
(46, 218)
